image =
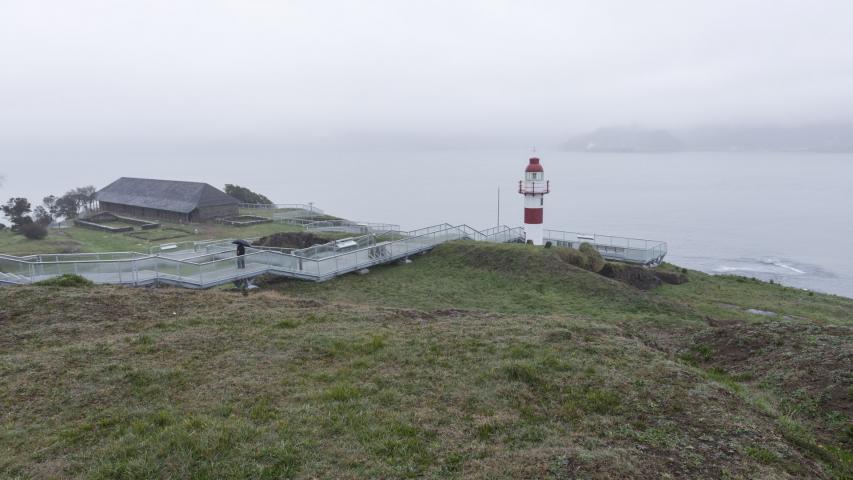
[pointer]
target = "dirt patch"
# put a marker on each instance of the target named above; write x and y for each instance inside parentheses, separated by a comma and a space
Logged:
(809, 365)
(292, 240)
(407, 314)
(672, 278)
(452, 312)
(639, 277)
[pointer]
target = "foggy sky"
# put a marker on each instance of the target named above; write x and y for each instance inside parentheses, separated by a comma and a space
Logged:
(165, 72)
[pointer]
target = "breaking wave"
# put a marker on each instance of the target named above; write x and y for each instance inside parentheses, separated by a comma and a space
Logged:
(779, 264)
(766, 266)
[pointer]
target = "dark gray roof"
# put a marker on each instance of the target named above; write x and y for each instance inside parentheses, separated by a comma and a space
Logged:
(169, 195)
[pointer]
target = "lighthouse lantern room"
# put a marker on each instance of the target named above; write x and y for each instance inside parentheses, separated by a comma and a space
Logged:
(534, 187)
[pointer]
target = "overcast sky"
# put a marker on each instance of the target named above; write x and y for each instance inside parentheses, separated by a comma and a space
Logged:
(281, 71)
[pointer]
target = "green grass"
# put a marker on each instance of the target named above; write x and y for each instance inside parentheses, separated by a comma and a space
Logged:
(67, 280)
(714, 296)
(762, 454)
(76, 239)
(518, 279)
(474, 361)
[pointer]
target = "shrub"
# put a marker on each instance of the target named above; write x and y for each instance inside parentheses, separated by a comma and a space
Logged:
(634, 275)
(586, 258)
(595, 262)
(245, 195)
(67, 280)
(34, 231)
(572, 257)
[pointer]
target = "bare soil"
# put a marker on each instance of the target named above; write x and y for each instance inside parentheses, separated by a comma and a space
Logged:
(292, 240)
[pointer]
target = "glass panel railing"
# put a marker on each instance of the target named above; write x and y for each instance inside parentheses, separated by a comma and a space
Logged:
(635, 250)
(212, 262)
(16, 271)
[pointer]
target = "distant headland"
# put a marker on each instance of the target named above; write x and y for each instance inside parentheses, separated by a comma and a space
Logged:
(817, 138)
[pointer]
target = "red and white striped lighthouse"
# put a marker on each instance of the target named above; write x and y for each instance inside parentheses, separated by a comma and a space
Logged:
(533, 187)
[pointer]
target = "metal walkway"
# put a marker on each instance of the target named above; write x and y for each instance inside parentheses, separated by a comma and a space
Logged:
(205, 265)
(212, 263)
(620, 249)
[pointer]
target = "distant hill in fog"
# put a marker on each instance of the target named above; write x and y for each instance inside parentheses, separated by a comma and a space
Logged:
(625, 139)
(816, 138)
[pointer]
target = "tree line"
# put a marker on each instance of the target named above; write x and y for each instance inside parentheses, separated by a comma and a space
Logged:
(33, 222)
(245, 195)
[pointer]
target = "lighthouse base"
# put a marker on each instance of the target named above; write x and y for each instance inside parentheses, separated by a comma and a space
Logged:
(533, 232)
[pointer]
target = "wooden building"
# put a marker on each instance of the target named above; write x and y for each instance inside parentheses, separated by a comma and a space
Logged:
(167, 200)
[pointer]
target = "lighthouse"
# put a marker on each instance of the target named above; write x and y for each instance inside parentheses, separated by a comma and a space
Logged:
(534, 187)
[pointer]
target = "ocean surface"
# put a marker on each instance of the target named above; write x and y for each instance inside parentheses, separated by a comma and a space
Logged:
(781, 216)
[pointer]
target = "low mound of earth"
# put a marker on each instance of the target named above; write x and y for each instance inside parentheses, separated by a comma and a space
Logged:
(520, 259)
(473, 361)
(292, 240)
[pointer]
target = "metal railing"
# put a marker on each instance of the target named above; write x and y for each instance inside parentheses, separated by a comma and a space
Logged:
(210, 263)
(283, 206)
(350, 226)
(624, 249)
(314, 219)
(533, 187)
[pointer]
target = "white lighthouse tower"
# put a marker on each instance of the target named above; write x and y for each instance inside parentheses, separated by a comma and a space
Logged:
(534, 187)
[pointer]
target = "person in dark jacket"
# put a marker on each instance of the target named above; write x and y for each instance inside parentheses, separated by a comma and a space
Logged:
(241, 250)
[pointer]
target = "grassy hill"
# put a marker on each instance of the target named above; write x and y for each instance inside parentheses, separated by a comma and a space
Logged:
(476, 361)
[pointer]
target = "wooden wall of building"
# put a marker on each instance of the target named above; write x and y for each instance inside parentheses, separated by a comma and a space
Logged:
(197, 215)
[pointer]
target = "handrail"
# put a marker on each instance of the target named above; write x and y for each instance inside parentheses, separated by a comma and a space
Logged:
(343, 223)
(606, 236)
(280, 206)
(413, 234)
(3, 256)
(85, 253)
(184, 261)
(319, 262)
